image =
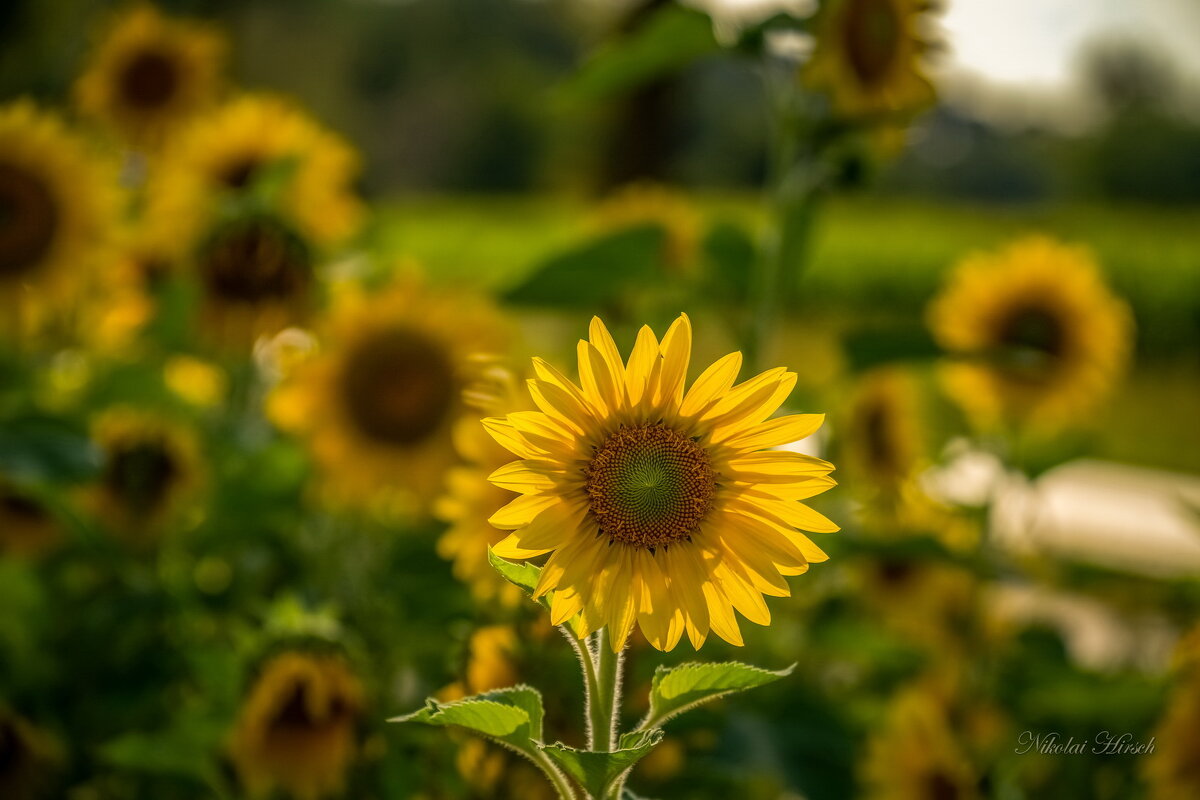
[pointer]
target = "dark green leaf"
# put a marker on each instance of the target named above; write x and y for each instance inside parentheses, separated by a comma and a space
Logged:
(512, 716)
(682, 688)
(596, 772)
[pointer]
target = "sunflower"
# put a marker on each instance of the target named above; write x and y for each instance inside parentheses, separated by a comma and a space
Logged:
(57, 204)
(919, 753)
(257, 277)
(149, 74)
(378, 404)
(469, 499)
(1037, 335)
(27, 758)
(150, 472)
(883, 440)
(651, 204)
(1173, 771)
(656, 505)
(927, 602)
(868, 57)
(27, 527)
(256, 144)
(296, 727)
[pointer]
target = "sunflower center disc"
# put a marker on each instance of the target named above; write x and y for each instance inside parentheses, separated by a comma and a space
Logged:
(399, 387)
(649, 486)
(240, 173)
(140, 474)
(255, 260)
(941, 787)
(28, 220)
(149, 80)
(1031, 340)
(872, 38)
(296, 713)
(878, 434)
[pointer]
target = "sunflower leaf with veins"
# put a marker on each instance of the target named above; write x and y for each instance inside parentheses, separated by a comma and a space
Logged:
(511, 716)
(596, 772)
(686, 686)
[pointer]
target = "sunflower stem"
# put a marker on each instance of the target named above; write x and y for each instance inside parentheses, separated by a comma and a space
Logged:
(561, 784)
(587, 662)
(606, 719)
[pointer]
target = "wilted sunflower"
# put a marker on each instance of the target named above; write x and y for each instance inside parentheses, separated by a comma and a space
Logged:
(27, 757)
(151, 468)
(918, 753)
(868, 57)
(57, 204)
(1036, 334)
(652, 204)
(659, 506)
(469, 498)
(148, 74)
(27, 527)
(378, 404)
(296, 727)
(256, 143)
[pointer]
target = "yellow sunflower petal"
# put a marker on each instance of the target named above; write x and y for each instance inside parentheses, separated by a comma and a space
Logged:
(602, 340)
(641, 365)
(676, 354)
(527, 477)
(713, 383)
(521, 510)
(775, 432)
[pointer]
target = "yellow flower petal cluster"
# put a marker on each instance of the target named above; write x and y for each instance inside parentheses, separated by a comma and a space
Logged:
(296, 727)
(150, 74)
(377, 405)
(659, 505)
(1036, 335)
(868, 57)
(58, 205)
(469, 499)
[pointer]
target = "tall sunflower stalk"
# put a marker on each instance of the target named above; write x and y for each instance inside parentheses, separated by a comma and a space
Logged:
(660, 507)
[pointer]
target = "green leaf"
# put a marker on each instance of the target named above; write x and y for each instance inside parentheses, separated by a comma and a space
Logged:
(682, 688)
(597, 272)
(182, 751)
(42, 448)
(669, 40)
(596, 772)
(512, 716)
(731, 255)
(525, 576)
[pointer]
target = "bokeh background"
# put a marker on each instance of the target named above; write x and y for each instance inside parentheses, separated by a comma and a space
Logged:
(495, 172)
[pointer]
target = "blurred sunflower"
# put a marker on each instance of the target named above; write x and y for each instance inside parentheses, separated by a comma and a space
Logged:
(58, 205)
(256, 144)
(27, 758)
(151, 470)
(927, 602)
(27, 527)
(918, 753)
(883, 440)
(868, 57)
(296, 728)
(149, 74)
(652, 204)
(378, 404)
(256, 277)
(659, 506)
(1173, 770)
(1036, 334)
(469, 498)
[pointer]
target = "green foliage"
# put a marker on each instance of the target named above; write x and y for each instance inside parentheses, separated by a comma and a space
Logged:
(510, 716)
(595, 273)
(673, 38)
(684, 687)
(596, 772)
(46, 449)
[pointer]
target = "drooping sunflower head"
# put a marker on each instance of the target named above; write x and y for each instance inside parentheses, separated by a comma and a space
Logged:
(868, 57)
(256, 276)
(469, 499)
(659, 506)
(919, 753)
(650, 204)
(150, 472)
(58, 204)
(27, 527)
(378, 403)
(296, 727)
(148, 74)
(257, 144)
(27, 758)
(1036, 335)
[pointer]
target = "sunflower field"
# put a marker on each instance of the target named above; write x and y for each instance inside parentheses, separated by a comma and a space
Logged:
(593, 400)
